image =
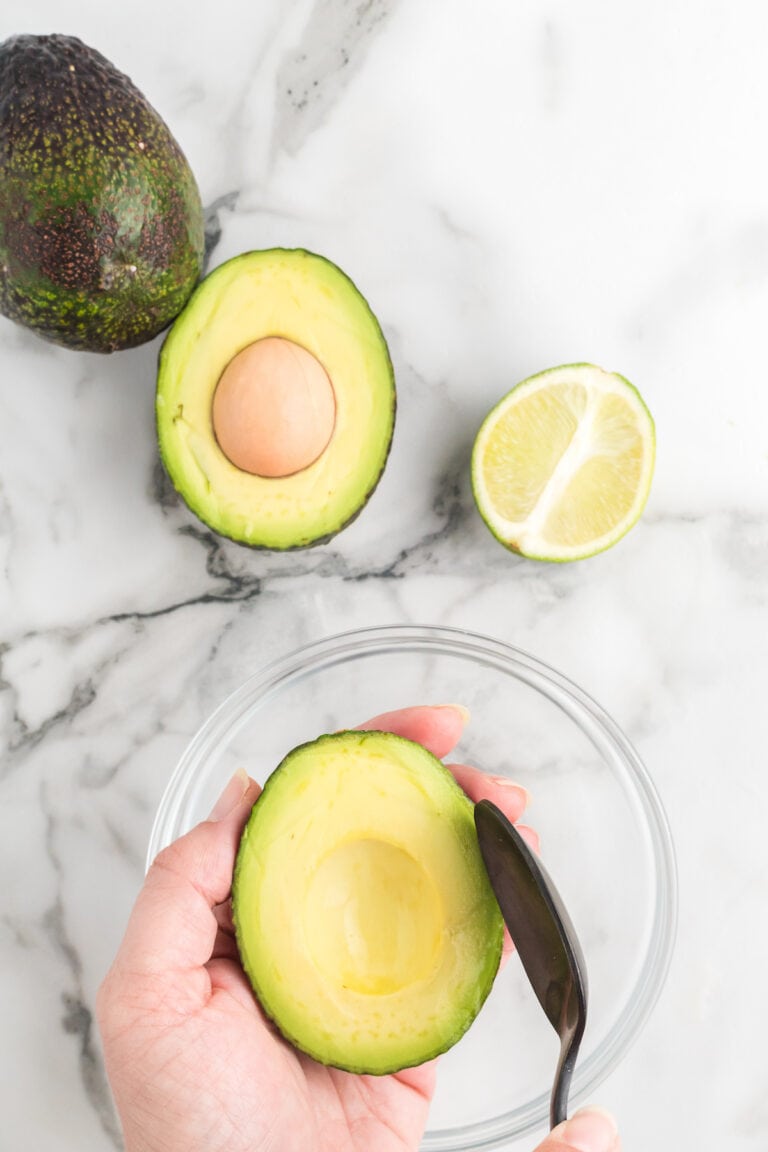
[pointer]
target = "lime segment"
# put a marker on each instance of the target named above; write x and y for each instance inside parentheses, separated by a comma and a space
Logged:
(562, 466)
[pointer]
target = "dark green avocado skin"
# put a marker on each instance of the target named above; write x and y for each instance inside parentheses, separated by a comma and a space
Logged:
(101, 225)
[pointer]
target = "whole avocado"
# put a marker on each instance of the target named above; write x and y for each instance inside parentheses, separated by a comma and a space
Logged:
(101, 225)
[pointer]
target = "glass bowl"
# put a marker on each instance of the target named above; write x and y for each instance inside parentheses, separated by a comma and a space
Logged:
(604, 839)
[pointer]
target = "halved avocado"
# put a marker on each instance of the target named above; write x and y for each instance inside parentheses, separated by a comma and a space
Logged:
(301, 302)
(364, 916)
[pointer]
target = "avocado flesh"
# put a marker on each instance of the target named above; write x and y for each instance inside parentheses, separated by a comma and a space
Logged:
(304, 298)
(364, 916)
(101, 225)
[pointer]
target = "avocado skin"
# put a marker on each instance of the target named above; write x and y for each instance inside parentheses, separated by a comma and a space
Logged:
(101, 224)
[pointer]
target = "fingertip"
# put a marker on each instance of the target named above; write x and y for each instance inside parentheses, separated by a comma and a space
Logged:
(588, 1130)
(531, 837)
(237, 798)
(231, 796)
(463, 712)
(507, 948)
(438, 727)
(511, 798)
(510, 786)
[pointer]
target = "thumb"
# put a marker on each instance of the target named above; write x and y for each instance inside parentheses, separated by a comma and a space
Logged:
(588, 1130)
(172, 926)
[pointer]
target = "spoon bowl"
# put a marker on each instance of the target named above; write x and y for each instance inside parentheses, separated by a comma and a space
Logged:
(544, 937)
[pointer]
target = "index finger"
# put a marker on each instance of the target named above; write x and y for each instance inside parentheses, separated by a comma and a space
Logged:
(437, 727)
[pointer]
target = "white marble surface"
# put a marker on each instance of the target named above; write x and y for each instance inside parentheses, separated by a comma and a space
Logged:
(512, 187)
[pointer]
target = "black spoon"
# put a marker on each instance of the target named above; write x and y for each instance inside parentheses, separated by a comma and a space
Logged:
(544, 938)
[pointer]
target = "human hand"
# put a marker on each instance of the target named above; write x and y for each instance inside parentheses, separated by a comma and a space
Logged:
(194, 1064)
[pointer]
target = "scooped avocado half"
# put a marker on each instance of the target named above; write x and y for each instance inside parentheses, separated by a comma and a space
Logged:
(275, 400)
(364, 916)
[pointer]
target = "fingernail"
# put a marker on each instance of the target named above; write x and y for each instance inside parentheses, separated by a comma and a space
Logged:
(231, 796)
(588, 1130)
(510, 786)
(462, 711)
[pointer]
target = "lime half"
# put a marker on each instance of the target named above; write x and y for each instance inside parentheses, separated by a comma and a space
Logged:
(562, 466)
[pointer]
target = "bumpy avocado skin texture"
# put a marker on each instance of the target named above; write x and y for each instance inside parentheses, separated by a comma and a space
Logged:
(231, 502)
(421, 1037)
(101, 224)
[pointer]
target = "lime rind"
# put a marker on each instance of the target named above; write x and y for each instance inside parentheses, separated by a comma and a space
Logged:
(518, 536)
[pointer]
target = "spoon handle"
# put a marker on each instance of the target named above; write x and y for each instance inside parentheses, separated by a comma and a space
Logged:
(569, 1049)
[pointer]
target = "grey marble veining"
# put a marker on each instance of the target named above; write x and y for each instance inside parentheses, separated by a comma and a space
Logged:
(316, 71)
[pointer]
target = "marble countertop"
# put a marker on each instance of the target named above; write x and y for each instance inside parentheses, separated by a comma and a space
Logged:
(512, 187)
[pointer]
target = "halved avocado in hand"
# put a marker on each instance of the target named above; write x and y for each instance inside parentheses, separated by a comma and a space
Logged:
(275, 400)
(364, 916)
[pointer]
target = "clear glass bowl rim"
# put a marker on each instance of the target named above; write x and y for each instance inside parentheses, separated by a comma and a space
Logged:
(589, 716)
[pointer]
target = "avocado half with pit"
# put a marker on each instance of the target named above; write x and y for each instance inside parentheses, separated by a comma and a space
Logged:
(275, 400)
(364, 916)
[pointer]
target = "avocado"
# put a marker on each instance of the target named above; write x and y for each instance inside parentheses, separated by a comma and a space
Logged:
(101, 225)
(363, 913)
(275, 400)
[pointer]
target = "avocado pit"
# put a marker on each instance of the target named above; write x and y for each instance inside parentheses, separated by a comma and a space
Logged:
(274, 408)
